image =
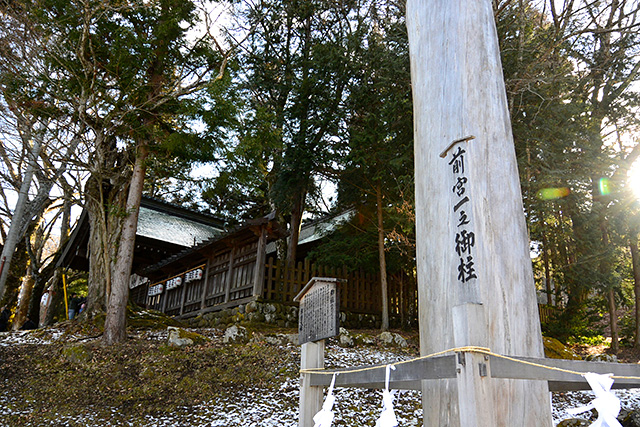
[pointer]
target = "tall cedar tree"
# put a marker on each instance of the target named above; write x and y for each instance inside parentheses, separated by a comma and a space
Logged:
(568, 75)
(293, 66)
(377, 175)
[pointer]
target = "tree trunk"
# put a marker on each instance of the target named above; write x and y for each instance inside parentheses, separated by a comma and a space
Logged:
(115, 325)
(403, 308)
(16, 272)
(18, 218)
(383, 263)
(99, 258)
(39, 282)
(547, 269)
(104, 234)
(613, 320)
(23, 299)
(635, 261)
(606, 269)
(51, 286)
(295, 224)
(41, 279)
(55, 295)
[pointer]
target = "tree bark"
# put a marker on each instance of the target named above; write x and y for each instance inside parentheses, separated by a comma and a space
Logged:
(18, 218)
(403, 308)
(116, 320)
(613, 320)
(55, 296)
(635, 262)
(295, 224)
(103, 237)
(23, 299)
(383, 262)
(106, 193)
(52, 283)
(26, 209)
(547, 269)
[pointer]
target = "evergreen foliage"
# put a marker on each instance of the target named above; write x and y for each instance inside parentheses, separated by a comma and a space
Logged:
(320, 91)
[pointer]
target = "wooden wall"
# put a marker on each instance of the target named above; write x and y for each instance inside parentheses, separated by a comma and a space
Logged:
(360, 293)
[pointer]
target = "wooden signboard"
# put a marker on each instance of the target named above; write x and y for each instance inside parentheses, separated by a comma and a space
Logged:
(319, 314)
(474, 271)
(318, 319)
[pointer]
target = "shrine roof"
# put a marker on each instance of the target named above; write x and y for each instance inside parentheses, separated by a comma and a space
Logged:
(164, 226)
(319, 228)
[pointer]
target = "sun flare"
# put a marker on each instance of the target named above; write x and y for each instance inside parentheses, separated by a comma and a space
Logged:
(634, 179)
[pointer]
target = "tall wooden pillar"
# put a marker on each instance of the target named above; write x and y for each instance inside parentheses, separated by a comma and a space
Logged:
(473, 247)
(261, 255)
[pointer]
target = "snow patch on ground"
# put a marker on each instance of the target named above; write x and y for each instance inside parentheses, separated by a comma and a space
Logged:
(269, 408)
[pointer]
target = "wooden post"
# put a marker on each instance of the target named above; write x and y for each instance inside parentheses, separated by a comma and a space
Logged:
(472, 242)
(258, 274)
(183, 297)
(318, 319)
(312, 356)
(229, 281)
(475, 398)
(163, 298)
(205, 284)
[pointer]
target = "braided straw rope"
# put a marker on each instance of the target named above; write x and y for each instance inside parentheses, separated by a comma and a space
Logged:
(467, 349)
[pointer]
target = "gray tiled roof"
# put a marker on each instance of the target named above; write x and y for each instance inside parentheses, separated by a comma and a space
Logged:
(174, 229)
(317, 229)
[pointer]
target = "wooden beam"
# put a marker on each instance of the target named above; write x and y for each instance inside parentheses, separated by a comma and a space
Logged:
(559, 380)
(183, 297)
(218, 307)
(205, 283)
(229, 281)
(312, 357)
(407, 376)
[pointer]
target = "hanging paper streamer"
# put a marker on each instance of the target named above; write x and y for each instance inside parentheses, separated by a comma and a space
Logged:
(606, 403)
(324, 417)
(387, 416)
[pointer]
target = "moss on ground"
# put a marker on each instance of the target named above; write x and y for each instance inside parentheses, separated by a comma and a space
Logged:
(195, 337)
(150, 319)
(140, 376)
(554, 349)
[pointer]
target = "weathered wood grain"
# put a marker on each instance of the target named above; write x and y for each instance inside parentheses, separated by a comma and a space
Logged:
(458, 91)
(312, 356)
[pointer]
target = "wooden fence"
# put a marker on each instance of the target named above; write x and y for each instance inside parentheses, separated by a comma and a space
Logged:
(546, 312)
(360, 294)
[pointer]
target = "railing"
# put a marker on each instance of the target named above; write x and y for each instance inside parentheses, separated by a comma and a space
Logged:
(227, 279)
